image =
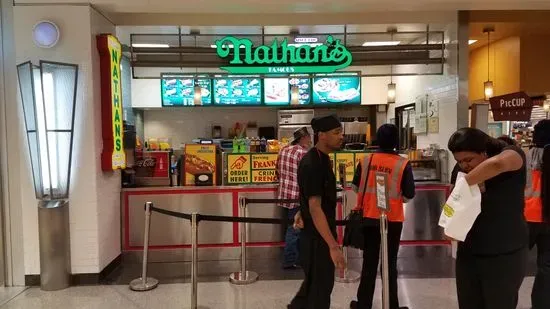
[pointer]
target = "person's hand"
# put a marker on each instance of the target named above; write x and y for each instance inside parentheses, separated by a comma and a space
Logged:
(338, 258)
(298, 221)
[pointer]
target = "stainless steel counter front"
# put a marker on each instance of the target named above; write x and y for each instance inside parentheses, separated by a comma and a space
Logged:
(170, 236)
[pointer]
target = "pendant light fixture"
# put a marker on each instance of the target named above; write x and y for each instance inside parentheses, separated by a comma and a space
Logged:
(294, 95)
(391, 86)
(488, 85)
(197, 98)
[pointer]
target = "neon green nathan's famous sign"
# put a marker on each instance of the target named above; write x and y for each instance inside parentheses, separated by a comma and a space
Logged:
(245, 58)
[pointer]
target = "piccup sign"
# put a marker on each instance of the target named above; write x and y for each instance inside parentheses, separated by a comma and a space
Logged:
(512, 107)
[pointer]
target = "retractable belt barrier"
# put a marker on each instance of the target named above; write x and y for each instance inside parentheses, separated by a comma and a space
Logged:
(242, 277)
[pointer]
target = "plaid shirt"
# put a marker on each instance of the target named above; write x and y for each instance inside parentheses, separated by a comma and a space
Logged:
(287, 169)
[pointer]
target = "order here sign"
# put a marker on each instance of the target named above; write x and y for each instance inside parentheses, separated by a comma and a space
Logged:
(512, 107)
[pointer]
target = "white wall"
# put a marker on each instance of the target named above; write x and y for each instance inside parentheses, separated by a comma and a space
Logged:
(108, 184)
(92, 193)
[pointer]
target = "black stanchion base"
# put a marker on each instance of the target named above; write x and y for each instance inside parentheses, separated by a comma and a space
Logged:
(239, 279)
(140, 285)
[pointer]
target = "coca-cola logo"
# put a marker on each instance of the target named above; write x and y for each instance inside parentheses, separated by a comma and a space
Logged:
(147, 162)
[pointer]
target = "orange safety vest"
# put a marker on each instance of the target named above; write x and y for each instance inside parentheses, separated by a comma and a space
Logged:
(533, 201)
(394, 166)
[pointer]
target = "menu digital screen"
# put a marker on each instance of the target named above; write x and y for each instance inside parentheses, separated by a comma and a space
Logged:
(278, 91)
(337, 89)
(238, 91)
(180, 90)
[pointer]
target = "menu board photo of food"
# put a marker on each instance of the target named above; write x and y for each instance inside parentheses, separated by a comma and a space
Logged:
(278, 91)
(178, 90)
(337, 89)
(238, 91)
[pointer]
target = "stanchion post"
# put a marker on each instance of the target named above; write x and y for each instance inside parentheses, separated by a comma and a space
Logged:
(194, 259)
(244, 276)
(382, 202)
(145, 283)
(345, 276)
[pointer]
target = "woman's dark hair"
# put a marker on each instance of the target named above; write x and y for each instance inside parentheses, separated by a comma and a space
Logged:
(475, 140)
(387, 136)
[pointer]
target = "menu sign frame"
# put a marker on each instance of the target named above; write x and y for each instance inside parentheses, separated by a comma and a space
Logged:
(343, 88)
(232, 91)
(187, 99)
(283, 96)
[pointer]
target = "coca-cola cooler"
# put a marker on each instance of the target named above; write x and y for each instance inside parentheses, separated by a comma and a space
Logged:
(152, 168)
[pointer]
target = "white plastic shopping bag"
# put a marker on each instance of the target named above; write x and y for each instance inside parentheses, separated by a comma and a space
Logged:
(461, 209)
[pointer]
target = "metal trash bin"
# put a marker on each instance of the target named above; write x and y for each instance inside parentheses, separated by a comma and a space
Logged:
(55, 245)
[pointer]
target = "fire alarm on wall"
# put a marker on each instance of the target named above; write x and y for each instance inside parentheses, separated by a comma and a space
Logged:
(45, 34)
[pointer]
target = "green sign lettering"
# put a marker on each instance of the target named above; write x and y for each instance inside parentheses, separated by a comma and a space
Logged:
(281, 57)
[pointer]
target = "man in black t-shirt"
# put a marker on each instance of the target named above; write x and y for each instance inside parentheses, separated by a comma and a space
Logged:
(320, 252)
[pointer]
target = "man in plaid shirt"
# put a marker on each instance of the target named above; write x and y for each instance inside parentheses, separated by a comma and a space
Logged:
(287, 172)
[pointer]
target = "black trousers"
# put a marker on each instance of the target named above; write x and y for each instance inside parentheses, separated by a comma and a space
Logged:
(489, 282)
(371, 256)
(539, 235)
(319, 269)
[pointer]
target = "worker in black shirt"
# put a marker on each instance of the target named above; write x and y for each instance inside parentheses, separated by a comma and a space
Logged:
(320, 252)
(491, 262)
(401, 188)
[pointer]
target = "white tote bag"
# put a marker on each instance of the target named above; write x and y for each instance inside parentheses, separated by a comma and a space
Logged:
(461, 209)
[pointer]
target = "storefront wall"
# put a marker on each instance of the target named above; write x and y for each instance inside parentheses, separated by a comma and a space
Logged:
(95, 195)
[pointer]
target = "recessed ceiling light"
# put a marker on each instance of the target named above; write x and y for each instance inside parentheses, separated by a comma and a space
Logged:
(470, 42)
(147, 45)
(381, 43)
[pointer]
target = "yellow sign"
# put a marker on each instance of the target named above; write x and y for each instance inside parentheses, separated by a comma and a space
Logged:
(359, 157)
(199, 159)
(238, 168)
(346, 158)
(264, 176)
(265, 161)
(118, 156)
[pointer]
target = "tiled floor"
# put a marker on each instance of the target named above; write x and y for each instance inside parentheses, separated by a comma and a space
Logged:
(416, 293)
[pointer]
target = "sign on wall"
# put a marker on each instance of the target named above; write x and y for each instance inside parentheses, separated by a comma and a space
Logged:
(282, 57)
(113, 156)
(514, 107)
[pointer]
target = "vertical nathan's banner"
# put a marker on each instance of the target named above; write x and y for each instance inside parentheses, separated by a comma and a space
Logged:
(110, 54)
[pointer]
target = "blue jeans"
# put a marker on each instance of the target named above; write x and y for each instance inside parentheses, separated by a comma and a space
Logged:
(292, 237)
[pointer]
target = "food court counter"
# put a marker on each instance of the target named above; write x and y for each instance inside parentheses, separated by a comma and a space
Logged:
(170, 234)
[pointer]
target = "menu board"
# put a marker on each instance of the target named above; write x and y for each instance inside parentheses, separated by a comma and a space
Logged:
(238, 91)
(178, 90)
(337, 89)
(278, 91)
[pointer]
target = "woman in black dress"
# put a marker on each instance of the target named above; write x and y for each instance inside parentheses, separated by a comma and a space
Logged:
(491, 261)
